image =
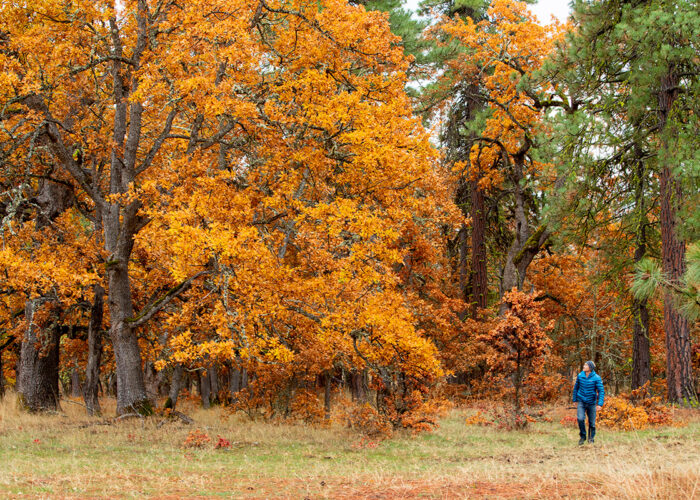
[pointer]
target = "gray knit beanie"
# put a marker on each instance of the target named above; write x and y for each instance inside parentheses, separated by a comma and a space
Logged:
(591, 365)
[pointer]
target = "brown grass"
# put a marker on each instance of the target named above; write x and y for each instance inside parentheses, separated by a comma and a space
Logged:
(68, 455)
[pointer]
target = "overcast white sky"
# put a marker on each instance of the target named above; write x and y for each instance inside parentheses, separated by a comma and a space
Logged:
(544, 9)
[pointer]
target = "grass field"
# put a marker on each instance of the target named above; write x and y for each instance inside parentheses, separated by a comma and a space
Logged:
(69, 455)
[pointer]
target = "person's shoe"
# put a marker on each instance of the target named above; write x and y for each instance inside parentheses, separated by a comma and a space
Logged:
(591, 441)
(581, 441)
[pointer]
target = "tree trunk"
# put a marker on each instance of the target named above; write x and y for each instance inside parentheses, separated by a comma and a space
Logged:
(679, 377)
(5, 344)
(358, 388)
(328, 379)
(641, 362)
(234, 383)
(244, 378)
(479, 278)
(38, 375)
(92, 370)
(131, 389)
(525, 245)
(463, 263)
(213, 383)
(75, 389)
(205, 388)
(175, 385)
(150, 379)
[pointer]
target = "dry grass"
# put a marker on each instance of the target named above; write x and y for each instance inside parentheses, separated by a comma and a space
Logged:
(68, 455)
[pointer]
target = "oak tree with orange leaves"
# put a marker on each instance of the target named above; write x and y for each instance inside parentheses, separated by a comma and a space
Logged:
(258, 161)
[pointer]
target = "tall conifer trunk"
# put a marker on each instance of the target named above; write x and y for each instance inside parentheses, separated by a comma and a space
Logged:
(641, 362)
(679, 377)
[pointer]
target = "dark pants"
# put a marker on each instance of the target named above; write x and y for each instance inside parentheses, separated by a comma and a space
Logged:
(581, 412)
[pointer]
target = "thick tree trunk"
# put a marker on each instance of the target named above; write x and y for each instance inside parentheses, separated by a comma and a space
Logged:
(131, 389)
(234, 382)
(244, 378)
(679, 377)
(175, 385)
(525, 245)
(38, 375)
(92, 370)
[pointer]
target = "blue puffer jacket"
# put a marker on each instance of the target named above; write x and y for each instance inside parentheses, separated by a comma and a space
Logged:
(587, 388)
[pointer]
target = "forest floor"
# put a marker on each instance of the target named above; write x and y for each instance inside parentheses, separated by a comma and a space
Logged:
(68, 455)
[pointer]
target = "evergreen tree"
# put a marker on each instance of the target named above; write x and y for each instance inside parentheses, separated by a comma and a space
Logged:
(633, 74)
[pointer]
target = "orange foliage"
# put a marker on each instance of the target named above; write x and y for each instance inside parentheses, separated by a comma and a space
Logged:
(501, 54)
(367, 420)
(518, 342)
(635, 411)
(196, 439)
(278, 155)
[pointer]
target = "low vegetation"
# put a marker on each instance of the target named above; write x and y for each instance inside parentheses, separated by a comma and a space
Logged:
(221, 454)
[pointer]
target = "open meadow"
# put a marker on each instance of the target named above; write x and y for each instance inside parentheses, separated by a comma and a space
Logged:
(68, 455)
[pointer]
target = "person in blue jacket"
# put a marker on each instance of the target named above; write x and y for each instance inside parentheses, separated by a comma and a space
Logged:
(590, 396)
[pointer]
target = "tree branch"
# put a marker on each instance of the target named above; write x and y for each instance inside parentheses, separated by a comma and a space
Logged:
(150, 310)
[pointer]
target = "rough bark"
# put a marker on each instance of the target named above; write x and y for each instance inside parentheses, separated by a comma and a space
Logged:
(92, 370)
(526, 244)
(175, 386)
(234, 383)
(38, 374)
(679, 377)
(75, 386)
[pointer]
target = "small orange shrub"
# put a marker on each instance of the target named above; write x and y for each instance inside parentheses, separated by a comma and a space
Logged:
(477, 419)
(196, 439)
(635, 411)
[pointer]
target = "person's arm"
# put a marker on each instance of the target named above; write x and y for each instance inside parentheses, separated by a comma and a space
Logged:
(575, 389)
(601, 391)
